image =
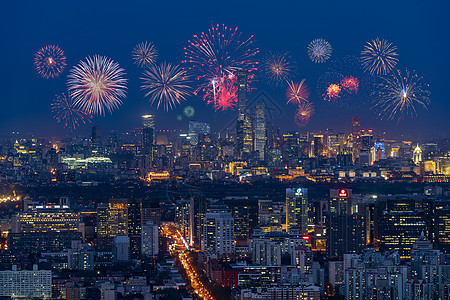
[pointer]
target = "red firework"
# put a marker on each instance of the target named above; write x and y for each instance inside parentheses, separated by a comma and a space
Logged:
(224, 93)
(50, 61)
(303, 114)
(215, 55)
(297, 92)
(350, 84)
(333, 92)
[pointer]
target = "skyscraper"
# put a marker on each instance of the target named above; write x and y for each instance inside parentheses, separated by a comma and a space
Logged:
(218, 233)
(244, 132)
(260, 130)
(356, 134)
(297, 209)
(148, 133)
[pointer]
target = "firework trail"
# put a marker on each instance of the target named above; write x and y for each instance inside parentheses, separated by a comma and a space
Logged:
(277, 68)
(304, 112)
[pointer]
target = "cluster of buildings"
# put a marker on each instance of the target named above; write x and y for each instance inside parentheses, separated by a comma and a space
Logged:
(270, 214)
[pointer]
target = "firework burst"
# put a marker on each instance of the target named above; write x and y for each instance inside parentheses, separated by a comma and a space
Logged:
(166, 84)
(67, 113)
(277, 68)
(400, 95)
(224, 90)
(350, 84)
(145, 54)
(215, 55)
(304, 112)
(189, 111)
(297, 92)
(49, 61)
(333, 92)
(379, 57)
(319, 50)
(97, 85)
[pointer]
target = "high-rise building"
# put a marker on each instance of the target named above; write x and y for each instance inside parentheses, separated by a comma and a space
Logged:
(121, 248)
(340, 201)
(149, 237)
(26, 283)
(297, 209)
(260, 130)
(117, 217)
(134, 226)
(346, 233)
(244, 130)
(245, 215)
(197, 211)
(218, 234)
(96, 137)
(318, 145)
(148, 133)
(356, 134)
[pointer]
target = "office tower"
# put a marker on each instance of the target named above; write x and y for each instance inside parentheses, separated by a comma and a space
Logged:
(102, 220)
(265, 209)
(117, 217)
(245, 215)
(26, 283)
(438, 223)
(356, 133)
(244, 138)
(318, 145)
(273, 135)
(399, 225)
(148, 133)
(149, 237)
(346, 233)
(297, 209)
(242, 76)
(134, 226)
(379, 151)
(197, 130)
(121, 248)
(340, 201)
(218, 233)
(197, 211)
(260, 130)
(96, 136)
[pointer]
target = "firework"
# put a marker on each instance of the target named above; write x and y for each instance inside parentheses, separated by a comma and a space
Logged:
(350, 84)
(319, 50)
(304, 112)
(224, 91)
(189, 111)
(97, 85)
(379, 57)
(297, 92)
(166, 84)
(400, 95)
(179, 117)
(145, 54)
(333, 92)
(216, 54)
(50, 61)
(277, 68)
(67, 113)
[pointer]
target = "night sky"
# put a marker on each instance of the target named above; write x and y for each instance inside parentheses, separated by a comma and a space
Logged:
(420, 30)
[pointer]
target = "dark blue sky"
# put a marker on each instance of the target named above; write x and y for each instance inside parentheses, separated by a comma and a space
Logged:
(420, 29)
